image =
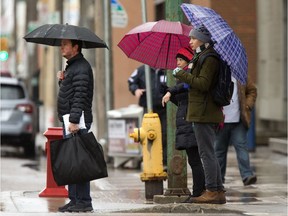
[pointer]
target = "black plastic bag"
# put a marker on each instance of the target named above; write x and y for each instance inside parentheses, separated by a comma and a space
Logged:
(77, 159)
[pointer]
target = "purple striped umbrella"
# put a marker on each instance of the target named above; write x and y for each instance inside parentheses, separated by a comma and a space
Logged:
(156, 43)
(228, 45)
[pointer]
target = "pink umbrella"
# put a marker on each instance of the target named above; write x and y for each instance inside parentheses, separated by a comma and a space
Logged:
(156, 43)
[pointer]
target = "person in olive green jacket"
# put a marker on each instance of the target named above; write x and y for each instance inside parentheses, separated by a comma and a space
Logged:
(204, 114)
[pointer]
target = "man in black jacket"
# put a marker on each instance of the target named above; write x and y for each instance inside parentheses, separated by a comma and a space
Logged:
(137, 86)
(75, 98)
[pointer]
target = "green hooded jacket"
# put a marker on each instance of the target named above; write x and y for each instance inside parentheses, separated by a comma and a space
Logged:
(201, 107)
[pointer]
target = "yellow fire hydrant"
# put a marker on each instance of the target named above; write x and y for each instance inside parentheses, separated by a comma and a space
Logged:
(150, 137)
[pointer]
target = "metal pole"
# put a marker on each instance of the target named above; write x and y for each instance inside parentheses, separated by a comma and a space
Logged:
(108, 55)
(147, 68)
(176, 160)
(99, 78)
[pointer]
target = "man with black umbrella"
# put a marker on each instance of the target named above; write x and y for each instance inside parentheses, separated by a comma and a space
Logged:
(75, 92)
(75, 98)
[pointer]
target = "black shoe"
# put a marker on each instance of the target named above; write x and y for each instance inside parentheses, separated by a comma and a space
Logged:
(189, 200)
(80, 208)
(250, 180)
(65, 207)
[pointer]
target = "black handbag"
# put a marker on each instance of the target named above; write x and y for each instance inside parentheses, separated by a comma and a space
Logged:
(77, 159)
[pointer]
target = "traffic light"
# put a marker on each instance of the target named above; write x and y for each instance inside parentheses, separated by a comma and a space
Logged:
(4, 55)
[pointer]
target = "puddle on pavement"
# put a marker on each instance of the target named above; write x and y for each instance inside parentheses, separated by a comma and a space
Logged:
(50, 203)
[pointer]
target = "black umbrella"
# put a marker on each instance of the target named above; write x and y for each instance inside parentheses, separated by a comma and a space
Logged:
(52, 34)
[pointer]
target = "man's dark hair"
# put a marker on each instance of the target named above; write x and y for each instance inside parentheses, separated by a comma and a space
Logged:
(79, 43)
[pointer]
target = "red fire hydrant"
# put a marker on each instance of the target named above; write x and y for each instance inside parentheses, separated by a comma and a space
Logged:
(52, 189)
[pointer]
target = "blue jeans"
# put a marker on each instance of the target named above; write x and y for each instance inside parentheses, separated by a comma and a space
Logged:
(205, 137)
(79, 193)
(236, 135)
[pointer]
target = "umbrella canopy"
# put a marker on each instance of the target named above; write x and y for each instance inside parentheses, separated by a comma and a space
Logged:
(156, 43)
(228, 45)
(52, 34)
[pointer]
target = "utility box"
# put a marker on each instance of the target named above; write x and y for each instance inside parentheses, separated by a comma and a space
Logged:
(122, 148)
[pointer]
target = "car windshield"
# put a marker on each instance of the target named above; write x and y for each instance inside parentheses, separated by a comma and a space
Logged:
(11, 92)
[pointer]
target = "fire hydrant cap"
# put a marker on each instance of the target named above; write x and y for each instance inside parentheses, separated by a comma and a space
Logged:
(151, 135)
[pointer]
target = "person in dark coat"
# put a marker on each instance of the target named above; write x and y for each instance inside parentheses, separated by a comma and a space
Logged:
(185, 137)
(137, 86)
(75, 98)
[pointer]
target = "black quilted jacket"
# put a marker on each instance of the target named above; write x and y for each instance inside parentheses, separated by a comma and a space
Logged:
(76, 90)
(185, 137)
(137, 81)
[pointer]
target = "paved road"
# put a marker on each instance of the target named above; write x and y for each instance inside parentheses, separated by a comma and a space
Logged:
(122, 193)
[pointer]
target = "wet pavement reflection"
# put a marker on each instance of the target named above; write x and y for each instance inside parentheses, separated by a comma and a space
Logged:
(123, 193)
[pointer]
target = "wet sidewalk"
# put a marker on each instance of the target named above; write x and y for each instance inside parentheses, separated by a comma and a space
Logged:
(122, 193)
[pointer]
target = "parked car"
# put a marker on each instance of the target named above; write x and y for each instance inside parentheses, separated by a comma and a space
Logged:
(17, 115)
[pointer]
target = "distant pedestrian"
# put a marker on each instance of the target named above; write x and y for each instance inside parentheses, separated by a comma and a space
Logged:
(203, 112)
(185, 137)
(137, 86)
(75, 97)
(236, 124)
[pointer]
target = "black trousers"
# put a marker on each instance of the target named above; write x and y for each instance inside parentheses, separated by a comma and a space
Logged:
(197, 170)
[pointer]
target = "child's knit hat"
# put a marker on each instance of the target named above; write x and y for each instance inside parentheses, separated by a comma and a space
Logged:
(185, 53)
